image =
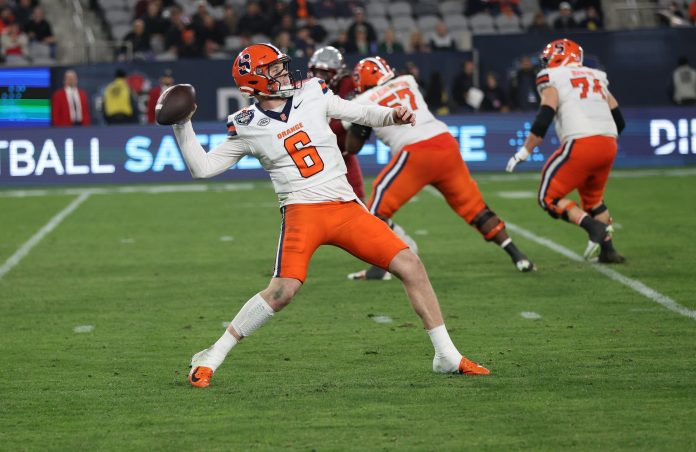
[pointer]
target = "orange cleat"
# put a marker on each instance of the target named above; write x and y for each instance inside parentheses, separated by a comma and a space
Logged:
(468, 367)
(200, 376)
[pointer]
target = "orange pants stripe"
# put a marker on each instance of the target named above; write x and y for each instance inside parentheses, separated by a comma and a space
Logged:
(583, 164)
(347, 225)
(436, 161)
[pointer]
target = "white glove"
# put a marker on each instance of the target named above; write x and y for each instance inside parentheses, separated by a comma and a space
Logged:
(520, 155)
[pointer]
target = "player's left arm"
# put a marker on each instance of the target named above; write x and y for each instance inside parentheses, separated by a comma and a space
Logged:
(616, 113)
(544, 118)
(368, 115)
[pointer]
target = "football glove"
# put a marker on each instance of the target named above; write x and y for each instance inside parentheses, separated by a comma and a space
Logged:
(521, 155)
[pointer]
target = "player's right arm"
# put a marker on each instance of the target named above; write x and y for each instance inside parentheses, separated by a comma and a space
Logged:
(203, 164)
(542, 122)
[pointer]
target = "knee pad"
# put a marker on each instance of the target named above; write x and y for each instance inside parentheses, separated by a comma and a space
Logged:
(488, 224)
(556, 211)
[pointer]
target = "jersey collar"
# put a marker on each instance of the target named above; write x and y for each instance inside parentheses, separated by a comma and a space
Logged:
(283, 115)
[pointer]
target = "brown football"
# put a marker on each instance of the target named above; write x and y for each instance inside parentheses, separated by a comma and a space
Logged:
(175, 104)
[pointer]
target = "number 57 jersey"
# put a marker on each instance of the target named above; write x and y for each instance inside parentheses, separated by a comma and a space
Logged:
(583, 110)
(403, 90)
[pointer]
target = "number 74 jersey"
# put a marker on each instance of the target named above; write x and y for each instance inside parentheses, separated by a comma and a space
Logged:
(583, 110)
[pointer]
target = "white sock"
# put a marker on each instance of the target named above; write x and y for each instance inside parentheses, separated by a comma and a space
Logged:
(447, 357)
(506, 242)
(442, 342)
(253, 314)
(220, 349)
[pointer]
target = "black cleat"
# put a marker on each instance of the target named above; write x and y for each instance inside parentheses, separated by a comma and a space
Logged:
(611, 257)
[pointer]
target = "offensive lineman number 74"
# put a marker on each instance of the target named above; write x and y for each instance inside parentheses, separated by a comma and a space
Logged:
(584, 84)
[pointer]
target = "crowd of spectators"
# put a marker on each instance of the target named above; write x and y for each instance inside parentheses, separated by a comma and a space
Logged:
(25, 34)
(163, 29)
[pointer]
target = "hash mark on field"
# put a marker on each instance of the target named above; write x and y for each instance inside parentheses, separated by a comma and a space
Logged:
(43, 232)
(634, 284)
(226, 238)
(382, 318)
(83, 329)
(530, 315)
(521, 194)
(127, 241)
(421, 232)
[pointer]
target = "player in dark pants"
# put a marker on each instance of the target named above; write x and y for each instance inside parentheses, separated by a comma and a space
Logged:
(327, 64)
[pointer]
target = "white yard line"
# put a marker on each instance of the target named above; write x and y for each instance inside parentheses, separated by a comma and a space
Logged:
(618, 174)
(45, 230)
(634, 284)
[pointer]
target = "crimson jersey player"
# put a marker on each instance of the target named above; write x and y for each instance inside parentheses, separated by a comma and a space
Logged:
(327, 64)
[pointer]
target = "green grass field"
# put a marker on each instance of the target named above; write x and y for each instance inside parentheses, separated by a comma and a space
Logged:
(604, 368)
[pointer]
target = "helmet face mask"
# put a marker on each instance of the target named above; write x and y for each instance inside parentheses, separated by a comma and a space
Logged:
(561, 52)
(252, 71)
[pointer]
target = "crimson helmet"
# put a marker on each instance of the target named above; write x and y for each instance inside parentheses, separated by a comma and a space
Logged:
(561, 52)
(251, 71)
(371, 72)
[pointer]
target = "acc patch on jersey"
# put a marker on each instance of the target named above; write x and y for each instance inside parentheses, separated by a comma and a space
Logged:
(245, 117)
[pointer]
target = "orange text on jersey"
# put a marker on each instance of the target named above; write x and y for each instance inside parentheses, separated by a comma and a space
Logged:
(292, 129)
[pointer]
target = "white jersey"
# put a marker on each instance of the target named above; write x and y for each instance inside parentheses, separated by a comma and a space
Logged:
(404, 91)
(296, 145)
(583, 109)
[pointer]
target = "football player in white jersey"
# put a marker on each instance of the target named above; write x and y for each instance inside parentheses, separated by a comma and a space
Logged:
(288, 131)
(588, 121)
(426, 154)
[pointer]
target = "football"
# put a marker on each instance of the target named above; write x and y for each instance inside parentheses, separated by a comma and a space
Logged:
(175, 104)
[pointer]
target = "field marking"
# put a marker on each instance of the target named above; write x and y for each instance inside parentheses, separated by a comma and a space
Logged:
(382, 318)
(151, 189)
(634, 284)
(83, 329)
(530, 315)
(619, 174)
(520, 194)
(43, 232)
(235, 186)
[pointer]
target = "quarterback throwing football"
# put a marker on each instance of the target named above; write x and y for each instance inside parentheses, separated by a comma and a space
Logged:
(287, 130)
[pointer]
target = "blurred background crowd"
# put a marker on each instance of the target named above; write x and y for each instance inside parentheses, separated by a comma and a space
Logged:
(65, 32)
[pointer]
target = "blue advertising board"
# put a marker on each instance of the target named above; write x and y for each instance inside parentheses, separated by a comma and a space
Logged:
(139, 154)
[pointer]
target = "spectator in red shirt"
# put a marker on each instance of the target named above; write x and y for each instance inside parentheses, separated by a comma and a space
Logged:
(165, 81)
(69, 105)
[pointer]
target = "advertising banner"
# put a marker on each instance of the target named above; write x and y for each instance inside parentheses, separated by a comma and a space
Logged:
(141, 154)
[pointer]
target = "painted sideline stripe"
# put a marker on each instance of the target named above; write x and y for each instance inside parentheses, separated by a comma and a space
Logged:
(48, 227)
(618, 174)
(634, 284)
(152, 189)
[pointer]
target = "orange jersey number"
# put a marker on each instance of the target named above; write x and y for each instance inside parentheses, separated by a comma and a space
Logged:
(306, 158)
(392, 101)
(584, 85)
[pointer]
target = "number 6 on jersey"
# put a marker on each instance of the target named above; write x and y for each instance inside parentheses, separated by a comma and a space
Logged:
(306, 158)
